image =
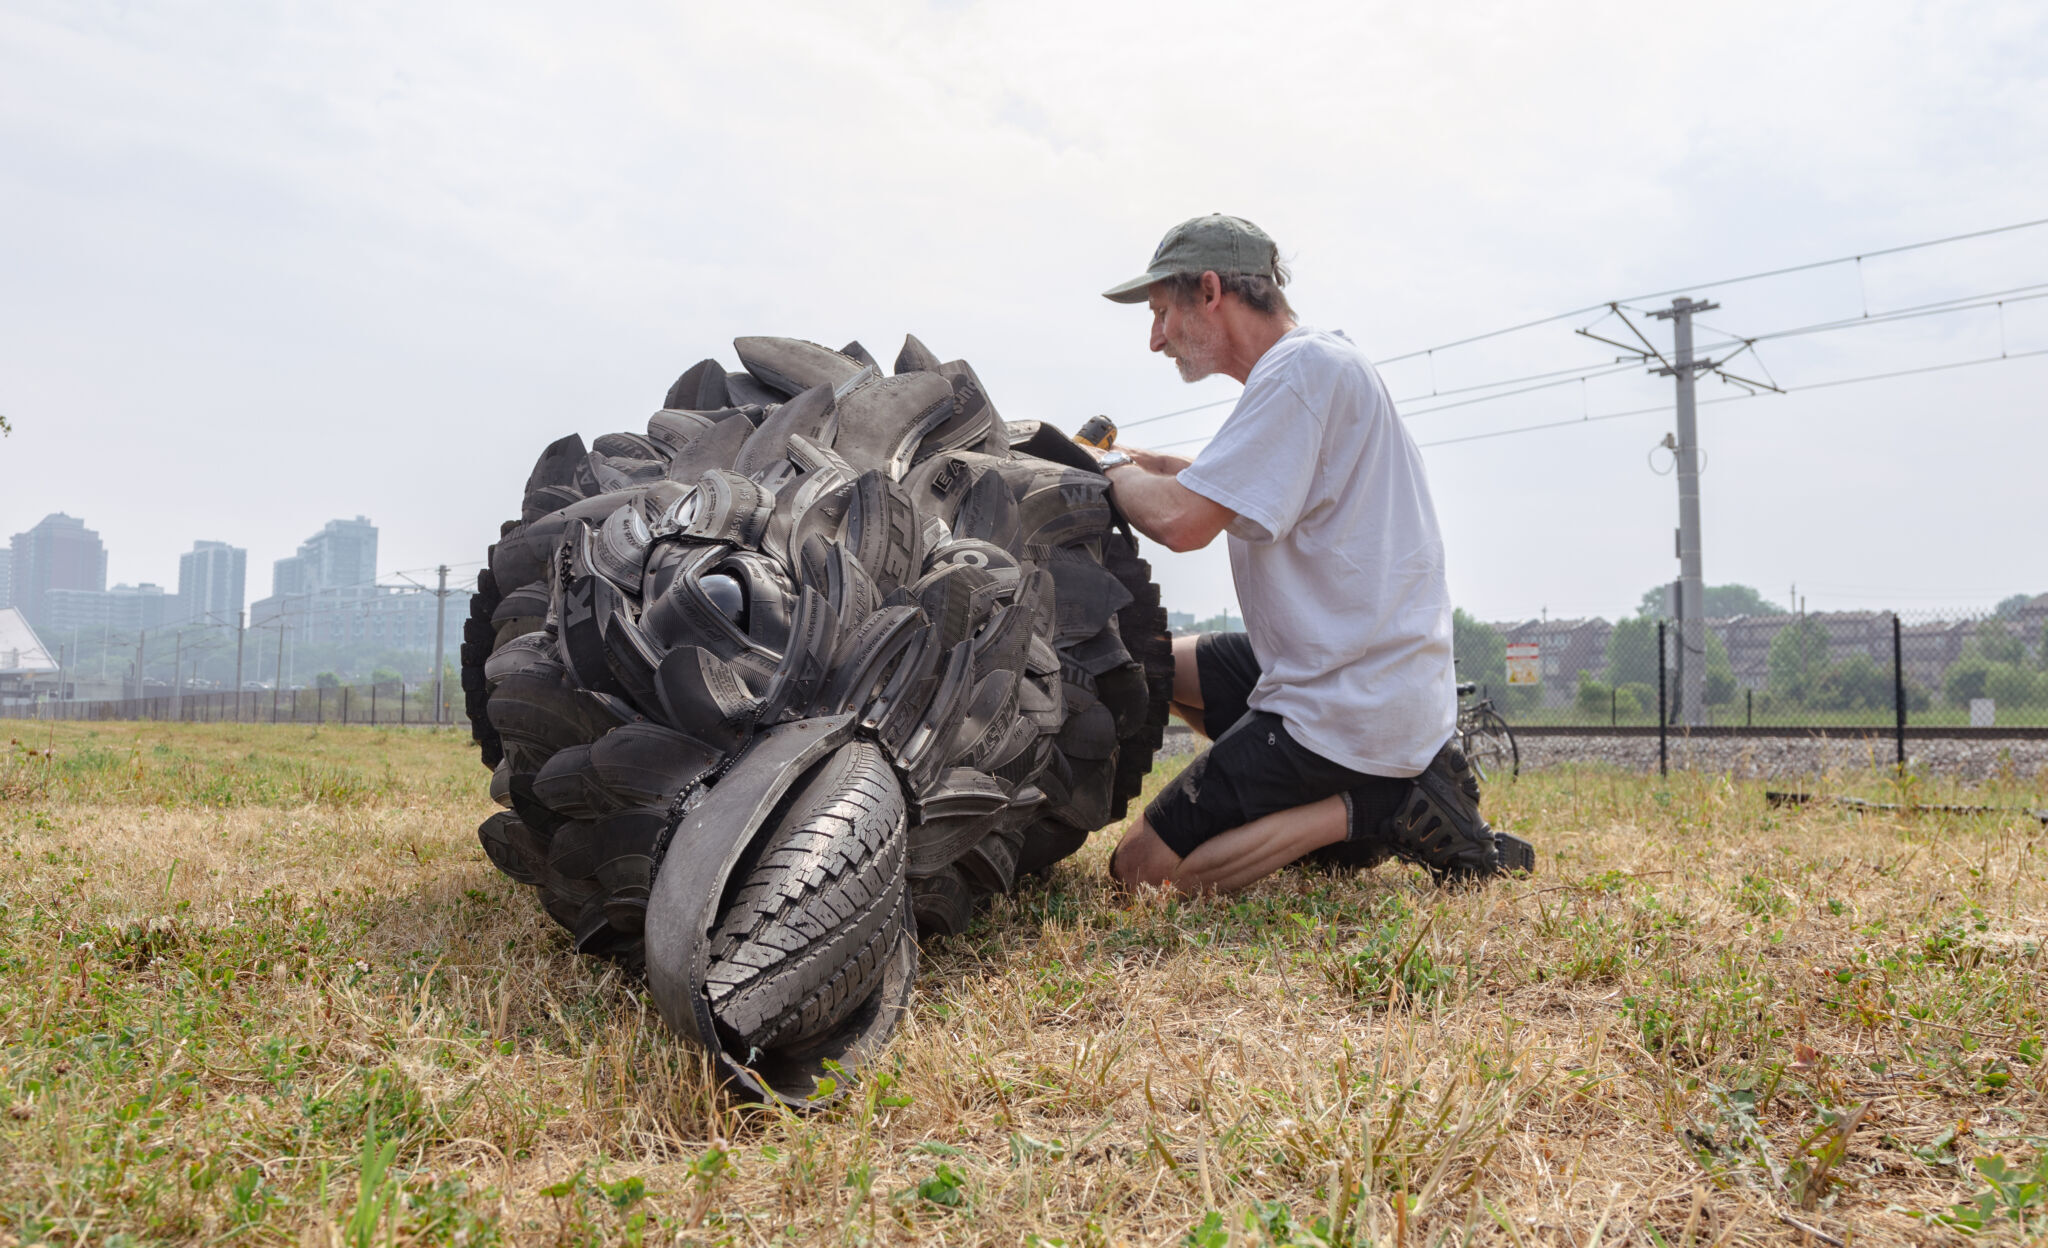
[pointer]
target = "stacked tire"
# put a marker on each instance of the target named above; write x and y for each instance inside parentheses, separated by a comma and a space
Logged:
(840, 653)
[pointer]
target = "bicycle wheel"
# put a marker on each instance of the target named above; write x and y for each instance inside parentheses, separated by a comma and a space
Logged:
(1490, 745)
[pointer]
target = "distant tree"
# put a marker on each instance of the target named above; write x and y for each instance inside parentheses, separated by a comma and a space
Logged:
(385, 676)
(1595, 698)
(1632, 653)
(2008, 607)
(327, 680)
(5, 428)
(1722, 602)
(1995, 643)
(1599, 701)
(1638, 700)
(1481, 652)
(2009, 684)
(1857, 683)
(2042, 653)
(1720, 673)
(1798, 658)
(1965, 680)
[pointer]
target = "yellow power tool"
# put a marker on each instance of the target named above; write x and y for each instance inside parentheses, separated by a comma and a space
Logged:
(1099, 432)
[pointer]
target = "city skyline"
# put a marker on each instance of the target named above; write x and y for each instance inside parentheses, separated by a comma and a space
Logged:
(62, 588)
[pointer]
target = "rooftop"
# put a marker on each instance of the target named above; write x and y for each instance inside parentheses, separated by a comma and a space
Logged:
(21, 652)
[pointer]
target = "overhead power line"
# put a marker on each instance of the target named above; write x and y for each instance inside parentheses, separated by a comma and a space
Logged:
(1735, 398)
(1604, 370)
(1962, 303)
(1562, 377)
(1666, 407)
(1726, 281)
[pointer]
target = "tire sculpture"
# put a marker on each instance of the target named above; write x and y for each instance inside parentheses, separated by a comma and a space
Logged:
(805, 671)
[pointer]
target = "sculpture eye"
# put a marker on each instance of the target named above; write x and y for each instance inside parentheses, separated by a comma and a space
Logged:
(684, 511)
(728, 595)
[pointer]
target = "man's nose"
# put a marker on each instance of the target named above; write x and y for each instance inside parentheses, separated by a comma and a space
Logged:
(1159, 334)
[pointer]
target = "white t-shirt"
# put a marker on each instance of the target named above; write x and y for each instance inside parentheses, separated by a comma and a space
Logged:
(1338, 561)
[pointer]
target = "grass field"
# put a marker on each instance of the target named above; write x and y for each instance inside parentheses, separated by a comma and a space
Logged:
(258, 985)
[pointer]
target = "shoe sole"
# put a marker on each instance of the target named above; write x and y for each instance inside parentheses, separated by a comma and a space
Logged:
(1516, 854)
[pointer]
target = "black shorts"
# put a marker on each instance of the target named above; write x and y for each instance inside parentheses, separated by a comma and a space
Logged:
(1256, 768)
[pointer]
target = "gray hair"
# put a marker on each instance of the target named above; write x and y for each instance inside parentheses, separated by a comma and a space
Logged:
(1260, 293)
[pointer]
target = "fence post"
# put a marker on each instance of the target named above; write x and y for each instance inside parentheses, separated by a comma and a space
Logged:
(1899, 691)
(1663, 716)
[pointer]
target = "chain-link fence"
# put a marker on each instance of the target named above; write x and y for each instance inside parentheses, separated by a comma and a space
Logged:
(1859, 670)
(388, 702)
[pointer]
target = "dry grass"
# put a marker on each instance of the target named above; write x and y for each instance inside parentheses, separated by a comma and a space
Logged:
(259, 985)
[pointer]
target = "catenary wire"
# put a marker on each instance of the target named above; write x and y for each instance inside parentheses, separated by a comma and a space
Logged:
(1738, 398)
(1566, 376)
(1726, 281)
(1665, 407)
(1961, 303)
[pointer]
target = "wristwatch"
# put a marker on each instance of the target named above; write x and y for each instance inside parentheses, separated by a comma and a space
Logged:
(1113, 459)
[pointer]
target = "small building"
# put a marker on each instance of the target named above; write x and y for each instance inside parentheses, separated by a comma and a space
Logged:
(1565, 648)
(28, 671)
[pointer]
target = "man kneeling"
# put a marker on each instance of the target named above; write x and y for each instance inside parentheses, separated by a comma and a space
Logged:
(1332, 716)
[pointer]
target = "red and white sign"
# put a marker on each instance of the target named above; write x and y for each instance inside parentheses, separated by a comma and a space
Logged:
(1525, 663)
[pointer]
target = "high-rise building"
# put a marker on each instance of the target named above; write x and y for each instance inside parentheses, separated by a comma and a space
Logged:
(58, 553)
(339, 556)
(69, 611)
(210, 585)
(288, 577)
(6, 578)
(327, 595)
(133, 608)
(93, 614)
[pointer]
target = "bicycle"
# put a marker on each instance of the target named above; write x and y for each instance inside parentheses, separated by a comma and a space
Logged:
(1488, 742)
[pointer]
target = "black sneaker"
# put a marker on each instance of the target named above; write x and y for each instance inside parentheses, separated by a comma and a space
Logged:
(1440, 827)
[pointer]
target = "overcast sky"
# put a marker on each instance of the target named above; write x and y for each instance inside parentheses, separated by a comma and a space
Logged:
(269, 265)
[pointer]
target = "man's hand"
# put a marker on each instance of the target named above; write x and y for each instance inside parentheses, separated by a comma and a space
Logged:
(1160, 507)
(1151, 461)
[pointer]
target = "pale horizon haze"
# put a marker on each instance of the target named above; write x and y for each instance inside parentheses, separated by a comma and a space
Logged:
(271, 266)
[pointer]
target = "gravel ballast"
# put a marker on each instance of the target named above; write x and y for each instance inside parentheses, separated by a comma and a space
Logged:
(1764, 758)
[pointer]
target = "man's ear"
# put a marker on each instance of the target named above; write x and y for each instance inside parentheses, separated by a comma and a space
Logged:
(1212, 289)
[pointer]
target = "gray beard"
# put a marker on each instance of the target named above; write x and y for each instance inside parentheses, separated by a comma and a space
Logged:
(1195, 354)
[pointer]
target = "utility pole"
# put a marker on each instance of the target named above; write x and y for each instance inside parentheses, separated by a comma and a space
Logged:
(1692, 596)
(241, 624)
(177, 671)
(278, 685)
(141, 653)
(440, 622)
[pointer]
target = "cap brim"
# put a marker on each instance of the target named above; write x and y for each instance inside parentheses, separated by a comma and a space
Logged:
(1137, 290)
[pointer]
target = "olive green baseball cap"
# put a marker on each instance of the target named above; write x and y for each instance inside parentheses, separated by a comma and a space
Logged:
(1216, 243)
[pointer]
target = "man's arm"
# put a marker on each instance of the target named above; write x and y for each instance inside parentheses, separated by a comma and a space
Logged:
(1161, 507)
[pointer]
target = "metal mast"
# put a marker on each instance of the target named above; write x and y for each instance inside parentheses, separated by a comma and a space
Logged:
(440, 633)
(1692, 596)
